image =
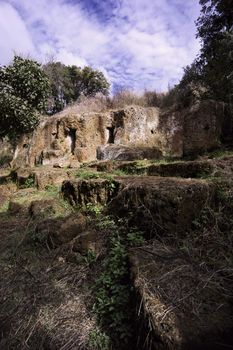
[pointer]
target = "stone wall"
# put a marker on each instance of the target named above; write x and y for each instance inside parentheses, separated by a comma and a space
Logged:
(124, 134)
(202, 127)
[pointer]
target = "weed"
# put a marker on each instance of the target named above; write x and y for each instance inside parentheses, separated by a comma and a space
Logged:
(113, 292)
(111, 186)
(52, 189)
(93, 209)
(4, 207)
(119, 172)
(135, 237)
(107, 223)
(28, 183)
(99, 340)
(90, 258)
(86, 174)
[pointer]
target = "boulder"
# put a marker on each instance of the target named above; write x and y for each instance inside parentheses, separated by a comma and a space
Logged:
(47, 176)
(121, 152)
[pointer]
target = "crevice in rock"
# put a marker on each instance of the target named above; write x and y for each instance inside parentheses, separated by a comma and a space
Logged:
(72, 136)
(111, 136)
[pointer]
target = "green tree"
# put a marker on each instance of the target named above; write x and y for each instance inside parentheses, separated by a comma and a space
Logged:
(70, 82)
(62, 90)
(215, 29)
(89, 82)
(24, 90)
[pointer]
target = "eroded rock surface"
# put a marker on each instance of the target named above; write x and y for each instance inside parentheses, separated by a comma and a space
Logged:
(131, 133)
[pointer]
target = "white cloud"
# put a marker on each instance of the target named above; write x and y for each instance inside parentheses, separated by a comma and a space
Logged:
(144, 44)
(14, 35)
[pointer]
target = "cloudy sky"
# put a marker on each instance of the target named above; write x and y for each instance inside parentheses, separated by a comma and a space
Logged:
(138, 44)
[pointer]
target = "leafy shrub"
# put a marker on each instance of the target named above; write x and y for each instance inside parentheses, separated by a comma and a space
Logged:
(99, 340)
(112, 290)
(135, 237)
(24, 90)
(28, 183)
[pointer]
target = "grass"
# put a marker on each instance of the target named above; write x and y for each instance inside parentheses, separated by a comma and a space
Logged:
(220, 153)
(25, 196)
(4, 207)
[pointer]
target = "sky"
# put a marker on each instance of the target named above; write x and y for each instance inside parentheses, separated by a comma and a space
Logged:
(137, 44)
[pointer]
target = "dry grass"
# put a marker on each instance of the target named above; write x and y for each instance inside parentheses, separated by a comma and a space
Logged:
(96, 104)
(122, 99)
(186, 283)
(43, 293)
(126, 98)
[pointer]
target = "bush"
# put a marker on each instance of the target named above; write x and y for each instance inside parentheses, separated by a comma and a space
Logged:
(24, 90)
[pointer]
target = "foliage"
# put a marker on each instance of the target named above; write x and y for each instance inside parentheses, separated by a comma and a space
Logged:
(23, 93)
(69, 83)
(28, 183)
(113, 291)
(93, 209)
(99, 340)
(213, 68)
(211, 73)
(135, 237)
(86, 174)
(90, 257)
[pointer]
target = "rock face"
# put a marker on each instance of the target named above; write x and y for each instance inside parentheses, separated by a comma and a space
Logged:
(128, 134)
(160, 205)
(94, 192)
(155, 204)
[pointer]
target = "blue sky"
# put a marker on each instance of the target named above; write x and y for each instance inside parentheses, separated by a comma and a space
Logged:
(138, 44)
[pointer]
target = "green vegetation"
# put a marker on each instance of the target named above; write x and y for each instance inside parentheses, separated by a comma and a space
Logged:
(215, 63)
(28, 183)
(99, 340)
(135, 237)
(69, 83)
(210, 76)
(113, 292)
(87, 174)
(24, 90)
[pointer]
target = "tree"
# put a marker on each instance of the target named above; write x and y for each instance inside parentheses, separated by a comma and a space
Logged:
(215, 29)
(24, 90)
(70, 82)
(62, 89)
(89, 82)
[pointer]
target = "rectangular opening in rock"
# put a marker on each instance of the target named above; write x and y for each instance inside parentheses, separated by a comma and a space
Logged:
(71, 136)
(111, 135)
